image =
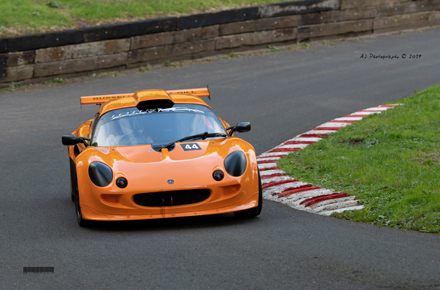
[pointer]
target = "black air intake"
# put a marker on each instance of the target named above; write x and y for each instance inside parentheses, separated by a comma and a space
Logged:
(171, 198)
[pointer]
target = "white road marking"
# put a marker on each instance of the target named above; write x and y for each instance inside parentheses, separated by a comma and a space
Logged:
(268, 154)
(270, 172)
(376, 109)
(319, 132)
(302, 139)
(365, 113)
(267, 158)
(342, 209)
(295, 146)
(331, 125)
(323, 204)
(277, 178)
(348, 119)
(334, 204)
(282, 187)
(267, 165)
(297, 198)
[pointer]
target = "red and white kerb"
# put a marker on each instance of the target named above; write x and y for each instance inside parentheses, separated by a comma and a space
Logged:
(280, 187)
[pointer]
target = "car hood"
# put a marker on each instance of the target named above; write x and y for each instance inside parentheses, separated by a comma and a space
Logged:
(182, 151)
(145, 153)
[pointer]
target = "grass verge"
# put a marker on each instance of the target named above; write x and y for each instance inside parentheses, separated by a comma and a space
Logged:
(390, 161)
(35, 16)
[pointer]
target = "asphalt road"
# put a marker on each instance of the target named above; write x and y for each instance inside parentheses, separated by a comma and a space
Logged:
(282, 95)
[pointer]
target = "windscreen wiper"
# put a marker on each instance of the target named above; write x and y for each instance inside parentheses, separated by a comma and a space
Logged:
(197, 136)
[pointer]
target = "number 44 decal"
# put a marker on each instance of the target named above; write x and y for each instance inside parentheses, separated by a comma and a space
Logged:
(190, 146)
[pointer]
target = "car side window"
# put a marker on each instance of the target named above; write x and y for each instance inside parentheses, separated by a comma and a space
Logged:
(93, 125)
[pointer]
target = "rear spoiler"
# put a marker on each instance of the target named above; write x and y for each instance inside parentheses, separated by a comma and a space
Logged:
(88, 100)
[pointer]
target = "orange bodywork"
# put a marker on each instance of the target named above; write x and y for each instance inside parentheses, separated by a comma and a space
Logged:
(149, 171)
(87, 100)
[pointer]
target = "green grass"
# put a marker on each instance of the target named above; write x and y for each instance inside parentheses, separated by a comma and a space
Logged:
(18, 17)
(273, 48)
(390, 161)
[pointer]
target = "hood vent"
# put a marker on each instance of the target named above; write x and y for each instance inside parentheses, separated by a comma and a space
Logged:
(154, 104)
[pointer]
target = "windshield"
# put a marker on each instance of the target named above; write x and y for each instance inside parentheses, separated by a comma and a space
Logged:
(131, 126)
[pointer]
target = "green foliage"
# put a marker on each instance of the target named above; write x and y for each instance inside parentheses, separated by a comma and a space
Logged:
(273, 48)
(59, 80)
(234, 55)
(11, 86)
(33, 16)
(53, 4)
(145, 68)
(390, 161)
(168, 63)
(305, 45)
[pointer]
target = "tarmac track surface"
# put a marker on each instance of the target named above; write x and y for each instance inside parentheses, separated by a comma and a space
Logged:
(282, 95)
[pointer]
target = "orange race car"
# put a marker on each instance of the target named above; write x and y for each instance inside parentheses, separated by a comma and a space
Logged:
(160, 154)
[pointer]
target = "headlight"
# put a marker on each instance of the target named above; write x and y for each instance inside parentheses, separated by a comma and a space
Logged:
(235, 163)
(101, 174)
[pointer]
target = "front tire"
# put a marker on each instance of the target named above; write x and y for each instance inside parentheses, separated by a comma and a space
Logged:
(255, 211)
(79, 218)
(74, 191)
(73, 180)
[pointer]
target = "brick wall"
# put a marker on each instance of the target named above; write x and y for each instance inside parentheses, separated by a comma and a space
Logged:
(127, 45)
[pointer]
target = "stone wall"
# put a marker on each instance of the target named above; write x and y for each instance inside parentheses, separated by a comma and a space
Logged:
(128, 45)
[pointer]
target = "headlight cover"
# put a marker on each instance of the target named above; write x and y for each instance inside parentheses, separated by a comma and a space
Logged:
(235, 163)
(101, 174)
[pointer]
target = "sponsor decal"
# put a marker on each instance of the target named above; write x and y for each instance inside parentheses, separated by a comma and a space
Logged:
(149, 111)
(190, 146)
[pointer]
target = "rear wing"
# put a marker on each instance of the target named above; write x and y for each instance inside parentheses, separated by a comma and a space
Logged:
(88, 100)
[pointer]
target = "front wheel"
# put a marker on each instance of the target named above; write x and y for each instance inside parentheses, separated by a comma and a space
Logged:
(74, 191)
(253, 212)
(82, 222)
(73, 180)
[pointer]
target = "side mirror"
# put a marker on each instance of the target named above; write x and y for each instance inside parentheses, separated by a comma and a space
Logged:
(241, 127)
(73, 140)
(70, 140)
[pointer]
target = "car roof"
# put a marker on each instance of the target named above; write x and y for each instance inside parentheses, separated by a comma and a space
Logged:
(149, 95)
